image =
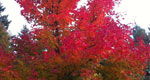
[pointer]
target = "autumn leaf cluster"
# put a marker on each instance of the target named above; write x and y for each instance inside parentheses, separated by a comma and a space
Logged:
(73, 44)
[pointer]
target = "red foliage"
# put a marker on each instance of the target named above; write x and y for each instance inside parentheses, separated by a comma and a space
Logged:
(84, 43)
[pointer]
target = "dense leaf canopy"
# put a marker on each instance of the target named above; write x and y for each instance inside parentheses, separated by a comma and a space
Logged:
(74, 44)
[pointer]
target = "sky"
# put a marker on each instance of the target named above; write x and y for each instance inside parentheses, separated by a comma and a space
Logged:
(133, 11)
(13, 11)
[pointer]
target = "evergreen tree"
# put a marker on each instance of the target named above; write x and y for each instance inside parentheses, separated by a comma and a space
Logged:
(4, 38)
(25, 30)
(139, 32)
(4, 18)
(4, 23)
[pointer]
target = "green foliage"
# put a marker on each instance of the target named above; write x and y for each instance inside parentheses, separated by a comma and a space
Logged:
(138, 33)
(4, 38)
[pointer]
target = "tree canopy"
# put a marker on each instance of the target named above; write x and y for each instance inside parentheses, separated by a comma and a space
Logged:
(73, 44)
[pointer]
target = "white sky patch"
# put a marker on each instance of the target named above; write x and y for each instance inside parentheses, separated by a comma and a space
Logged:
(135, 10)
(14, 14)
(82, 3)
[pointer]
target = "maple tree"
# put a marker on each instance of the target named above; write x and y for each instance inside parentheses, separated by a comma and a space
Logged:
(139, 33)
(74, 44)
